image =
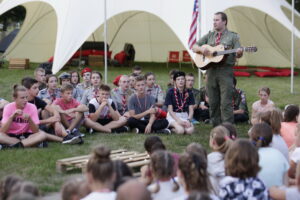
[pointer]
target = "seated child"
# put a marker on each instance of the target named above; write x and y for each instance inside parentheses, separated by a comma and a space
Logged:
(262, 105)
(51, 92)
(3, 103)
(75, 78)
(288, 126)
(273, 164)
(103, 114)
(190, 80)
(180, 103)
(219, 142)
(164, 185)
(121, 94)
(91, 92)
(20, 122)
(65, 78)
(70, 110)
(132, 78)
(242, 167)
(240, 108)
(287, 193)
(143, 112)
(86, 80)
(295, 155)
(153, 89)
(137, 70)
(50, 118)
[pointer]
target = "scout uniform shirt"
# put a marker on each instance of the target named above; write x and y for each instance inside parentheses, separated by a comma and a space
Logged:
(45, 94)
(230, 40)
(120, 99)
(156, 92)
(239, 100)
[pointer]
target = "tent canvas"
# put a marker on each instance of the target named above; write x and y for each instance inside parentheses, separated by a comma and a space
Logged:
(54, 27)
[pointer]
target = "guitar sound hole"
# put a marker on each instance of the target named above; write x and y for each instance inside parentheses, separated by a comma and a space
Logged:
(215, 53)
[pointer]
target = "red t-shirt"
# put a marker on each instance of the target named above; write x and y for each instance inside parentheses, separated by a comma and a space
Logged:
(19, 124)
(66, 105)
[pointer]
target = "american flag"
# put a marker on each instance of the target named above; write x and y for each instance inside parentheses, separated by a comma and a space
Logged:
(193, 27)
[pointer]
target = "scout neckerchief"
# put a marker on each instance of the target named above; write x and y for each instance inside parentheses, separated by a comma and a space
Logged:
(182, 99)
(218, 38)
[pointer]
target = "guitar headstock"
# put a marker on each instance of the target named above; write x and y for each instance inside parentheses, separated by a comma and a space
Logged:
(250, 49)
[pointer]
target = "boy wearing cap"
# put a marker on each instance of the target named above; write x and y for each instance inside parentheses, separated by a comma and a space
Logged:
(143, 113)
(65, 78)
(86, 77)
(121, 94)
(180, 102)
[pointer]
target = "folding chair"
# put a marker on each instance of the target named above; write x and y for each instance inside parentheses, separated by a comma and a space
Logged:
(173, 57)
(186, 58)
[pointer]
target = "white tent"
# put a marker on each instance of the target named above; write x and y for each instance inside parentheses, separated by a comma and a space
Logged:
(59, 27)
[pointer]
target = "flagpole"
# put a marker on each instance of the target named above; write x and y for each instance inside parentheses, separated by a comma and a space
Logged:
(105, 43)
(199, 33)
(292, 46)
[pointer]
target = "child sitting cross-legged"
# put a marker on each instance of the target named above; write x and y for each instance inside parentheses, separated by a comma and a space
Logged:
(242, 167)
(103, 115)
(71, 111)
(20, 122)
(180, 102)
(142, 111)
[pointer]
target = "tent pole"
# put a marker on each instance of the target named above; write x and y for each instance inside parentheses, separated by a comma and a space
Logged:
(105, 43)
(199, 34)
(292, 47)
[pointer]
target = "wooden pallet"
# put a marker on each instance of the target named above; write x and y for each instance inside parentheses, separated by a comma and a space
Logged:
(132, 158)
(18, 63)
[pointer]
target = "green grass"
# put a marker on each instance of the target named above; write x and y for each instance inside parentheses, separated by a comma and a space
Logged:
(38, 165)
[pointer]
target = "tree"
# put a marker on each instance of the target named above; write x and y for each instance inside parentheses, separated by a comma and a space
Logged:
(16, 14)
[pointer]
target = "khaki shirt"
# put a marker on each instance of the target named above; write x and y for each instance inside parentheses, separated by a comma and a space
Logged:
(117, 97)
(156, 92)
(239, 100)
(229, 40)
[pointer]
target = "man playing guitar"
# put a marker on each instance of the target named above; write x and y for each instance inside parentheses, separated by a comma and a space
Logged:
(220, 75)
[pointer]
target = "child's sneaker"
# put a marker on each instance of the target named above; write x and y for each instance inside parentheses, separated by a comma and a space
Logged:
(164, 131)
(71, 139)
(76, 132)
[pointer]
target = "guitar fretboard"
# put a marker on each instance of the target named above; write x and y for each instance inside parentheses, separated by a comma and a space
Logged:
(228, 51)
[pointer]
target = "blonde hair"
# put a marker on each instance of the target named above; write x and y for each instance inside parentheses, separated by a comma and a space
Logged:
(18, 88)
(220, 136)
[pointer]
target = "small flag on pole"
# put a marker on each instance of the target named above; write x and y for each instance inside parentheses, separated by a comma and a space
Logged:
(193, 27)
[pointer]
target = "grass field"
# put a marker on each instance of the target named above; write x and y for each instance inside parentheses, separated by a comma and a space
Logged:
(38, 165)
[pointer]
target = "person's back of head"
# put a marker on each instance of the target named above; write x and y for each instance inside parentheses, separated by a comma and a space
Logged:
(291, 113)
(25, 187)
(100, 168)
(232, 130)
(7, 184)
(196, 148)
(133, 190)
(193, 172)
(150, 141)
(122, 172)
(162, 167)
(75, 189)
(261, 135)
(220, 140)
(273, 118)
(241, 160)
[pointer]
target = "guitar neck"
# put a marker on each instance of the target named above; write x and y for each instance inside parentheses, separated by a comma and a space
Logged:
(219, 53)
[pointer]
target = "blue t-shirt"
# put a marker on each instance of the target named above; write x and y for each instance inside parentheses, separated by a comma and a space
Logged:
(273, 166)
(185, 99)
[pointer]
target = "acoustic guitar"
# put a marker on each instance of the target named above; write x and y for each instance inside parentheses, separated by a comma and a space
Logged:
(218, 53)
